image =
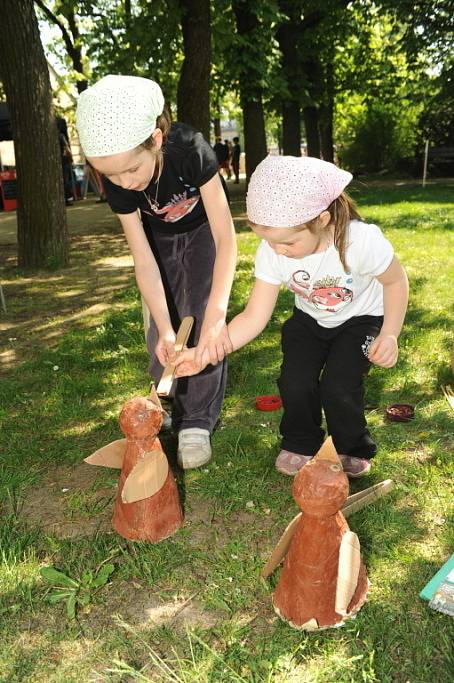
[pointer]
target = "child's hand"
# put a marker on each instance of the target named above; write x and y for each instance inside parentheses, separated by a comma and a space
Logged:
(384, 351)
(165, 348)
(214, 340)
(186, 364)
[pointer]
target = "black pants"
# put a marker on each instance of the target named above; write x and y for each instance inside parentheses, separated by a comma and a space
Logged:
(186, 263)
(324, 368)
(67, 169)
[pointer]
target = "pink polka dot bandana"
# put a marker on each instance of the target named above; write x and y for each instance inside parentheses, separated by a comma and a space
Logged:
(117, 114)
(287, 191)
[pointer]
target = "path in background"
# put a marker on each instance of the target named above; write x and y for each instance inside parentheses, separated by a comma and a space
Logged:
(89, 215)
(43, 304)
(83, 216)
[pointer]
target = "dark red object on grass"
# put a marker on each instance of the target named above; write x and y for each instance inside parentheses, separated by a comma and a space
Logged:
(400, 412)
(268, 402)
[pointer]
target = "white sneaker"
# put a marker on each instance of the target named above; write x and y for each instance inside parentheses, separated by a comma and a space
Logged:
(194, 448)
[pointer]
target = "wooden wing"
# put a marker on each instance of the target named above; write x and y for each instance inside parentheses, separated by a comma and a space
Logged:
(359, 500)
(146, 478)
(281, 547)
(109, 456)
(348, 571)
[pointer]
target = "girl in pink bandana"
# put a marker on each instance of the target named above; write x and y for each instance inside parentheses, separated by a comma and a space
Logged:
(351, 296)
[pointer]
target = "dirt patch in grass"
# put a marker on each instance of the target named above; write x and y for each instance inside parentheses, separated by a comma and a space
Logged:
(43, 305)
(72, 502)
(419, 454)
(208, 527)
(69, 502)
(145, 609)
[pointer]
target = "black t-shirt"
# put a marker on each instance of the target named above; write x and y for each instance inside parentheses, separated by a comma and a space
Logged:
(221, 151)
(189, 163)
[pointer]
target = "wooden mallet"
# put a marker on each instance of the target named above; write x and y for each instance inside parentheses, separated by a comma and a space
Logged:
(165, 383)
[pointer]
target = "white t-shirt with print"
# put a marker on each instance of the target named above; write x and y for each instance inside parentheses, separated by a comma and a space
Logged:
(322, 288)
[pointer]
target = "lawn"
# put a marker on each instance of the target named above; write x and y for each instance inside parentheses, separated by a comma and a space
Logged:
(193, 608)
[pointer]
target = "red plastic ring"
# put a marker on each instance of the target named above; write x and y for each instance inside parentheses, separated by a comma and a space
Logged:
(268, 402)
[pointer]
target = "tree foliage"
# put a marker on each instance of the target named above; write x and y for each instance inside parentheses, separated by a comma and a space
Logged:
(64, 14)
(362, 74)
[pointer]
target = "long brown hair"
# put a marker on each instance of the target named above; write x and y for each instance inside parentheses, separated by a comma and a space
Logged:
(163, 122)
(342, 210)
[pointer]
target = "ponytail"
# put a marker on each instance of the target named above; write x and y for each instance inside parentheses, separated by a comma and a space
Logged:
(342, 211)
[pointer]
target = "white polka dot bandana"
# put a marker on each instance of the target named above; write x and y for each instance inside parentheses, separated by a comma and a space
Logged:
(117, 114)
(287, 191)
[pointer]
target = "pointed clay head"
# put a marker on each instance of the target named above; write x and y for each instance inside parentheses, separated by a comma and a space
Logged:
(320, 488)
(140, 418)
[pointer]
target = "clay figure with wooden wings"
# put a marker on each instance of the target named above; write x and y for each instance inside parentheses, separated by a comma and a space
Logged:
(323, 580)
(147, 506)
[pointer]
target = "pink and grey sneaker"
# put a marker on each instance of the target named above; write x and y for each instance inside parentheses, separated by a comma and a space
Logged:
(355, 467)
(291, 463)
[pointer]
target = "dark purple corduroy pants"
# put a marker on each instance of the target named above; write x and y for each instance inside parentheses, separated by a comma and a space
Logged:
(186, 263)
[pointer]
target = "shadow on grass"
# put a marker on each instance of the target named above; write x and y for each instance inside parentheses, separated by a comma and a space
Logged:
(42, 303)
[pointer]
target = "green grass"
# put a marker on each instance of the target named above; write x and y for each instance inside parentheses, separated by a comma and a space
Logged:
(219, 625)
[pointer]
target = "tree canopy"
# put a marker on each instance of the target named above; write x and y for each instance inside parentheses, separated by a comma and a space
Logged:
(330, 75)
(364, 82)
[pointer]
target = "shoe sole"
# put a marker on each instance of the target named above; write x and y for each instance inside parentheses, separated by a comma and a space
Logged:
(292, 469)
(289, 474)
(352, 475)
(193, 464)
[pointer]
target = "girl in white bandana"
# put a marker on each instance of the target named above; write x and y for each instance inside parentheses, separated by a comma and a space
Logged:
(162, 181)
(351, 295)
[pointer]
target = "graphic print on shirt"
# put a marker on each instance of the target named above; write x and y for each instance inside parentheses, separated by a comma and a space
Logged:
(325, 294)
(179, 206)
(299, 284)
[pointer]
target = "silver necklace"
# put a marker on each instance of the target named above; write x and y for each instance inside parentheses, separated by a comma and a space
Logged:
(153, 203)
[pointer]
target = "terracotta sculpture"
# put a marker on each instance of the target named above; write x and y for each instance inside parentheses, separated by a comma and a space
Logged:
(323, 580)
(147, 507)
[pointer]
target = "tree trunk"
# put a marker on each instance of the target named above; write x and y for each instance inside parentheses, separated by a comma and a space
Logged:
(254, 135)
(326, 133)
(193, 97)
(250, 90)
(287, 35)
(291, 129)
(310, 114)
(41, 215)
(217, 119)
(217, 127)
(326, 115)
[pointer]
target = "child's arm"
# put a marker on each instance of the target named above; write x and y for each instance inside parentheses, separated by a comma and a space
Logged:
(213, 335)
(150, 284)
(384, 350)
(242, 329)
